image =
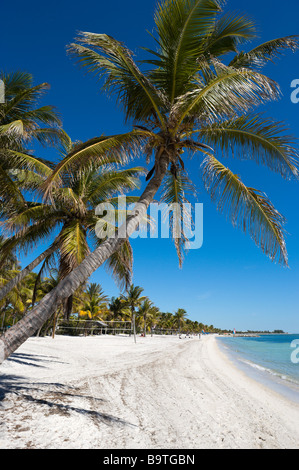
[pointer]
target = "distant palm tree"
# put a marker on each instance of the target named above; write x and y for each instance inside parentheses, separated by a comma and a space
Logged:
(95, 304)
(166, 321)
(153, 318)
(118, 309)
(133, 300)
(144, 311)
(180, 315)
(197, 94)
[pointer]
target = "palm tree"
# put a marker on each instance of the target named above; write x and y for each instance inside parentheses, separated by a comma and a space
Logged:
(187, 100)
(94, 303)
(118, 309)
(166, 321)
(144, 311)
(153, 318)
(71, 211)
(21, 120)
(133, 300)
(180, 315)
(22, 123)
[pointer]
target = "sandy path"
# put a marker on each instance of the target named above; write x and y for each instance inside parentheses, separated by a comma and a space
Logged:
(107, 392)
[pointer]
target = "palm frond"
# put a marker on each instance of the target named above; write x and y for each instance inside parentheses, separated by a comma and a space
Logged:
(27, 180)
(16, 82)
(23, 100)
(47, 266)
(13, 160)
(247, 208)
(73, 247)
(27, 240)
(47, 136)
(43, 115)
(120, 265)
(265, 52)
(229, 92)
(9, 191)
(112, 60)
(230, 31)
(256, 138)
(30, 213)
(12, 129)
(21, 116)
(99, 151)
(174, 192)
(182, 28)
(113, 182)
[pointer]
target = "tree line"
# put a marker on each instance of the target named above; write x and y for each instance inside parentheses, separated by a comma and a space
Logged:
(91, 310)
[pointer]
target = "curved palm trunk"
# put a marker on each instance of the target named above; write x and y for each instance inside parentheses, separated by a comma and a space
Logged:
(19, 277)
(27, 326)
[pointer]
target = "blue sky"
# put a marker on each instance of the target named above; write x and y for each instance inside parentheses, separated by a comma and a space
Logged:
(228, 282)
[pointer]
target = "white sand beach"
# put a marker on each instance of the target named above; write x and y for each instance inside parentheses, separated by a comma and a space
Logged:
(161, 393)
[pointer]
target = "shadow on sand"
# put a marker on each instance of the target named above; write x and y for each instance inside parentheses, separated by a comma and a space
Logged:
(56, 397)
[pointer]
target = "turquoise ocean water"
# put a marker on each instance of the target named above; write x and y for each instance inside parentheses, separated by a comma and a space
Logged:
(271, 359)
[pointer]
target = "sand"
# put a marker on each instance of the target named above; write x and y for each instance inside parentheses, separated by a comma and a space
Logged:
(161, 393)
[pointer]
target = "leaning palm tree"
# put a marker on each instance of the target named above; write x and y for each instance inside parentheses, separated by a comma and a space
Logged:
(189, 99)
(46, 284)
(71, 211)
(23, 123)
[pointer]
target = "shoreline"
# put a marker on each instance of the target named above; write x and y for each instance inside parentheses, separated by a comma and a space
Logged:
(286, 387)
(161, 393)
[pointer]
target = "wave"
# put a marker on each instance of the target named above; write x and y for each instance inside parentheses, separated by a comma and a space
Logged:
(270, 371)
(255, 360)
